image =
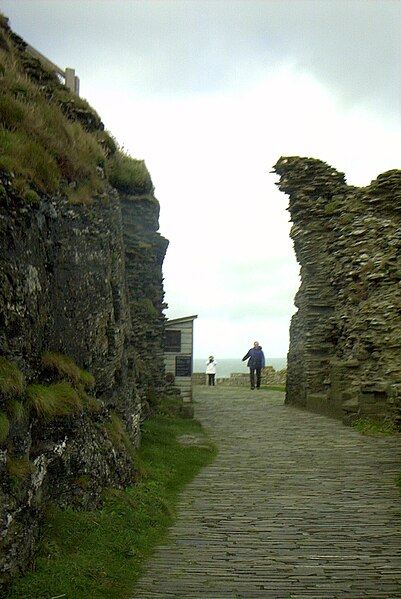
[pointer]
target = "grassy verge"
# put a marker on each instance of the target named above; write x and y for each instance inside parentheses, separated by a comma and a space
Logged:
(273, 387)
(101, 554)
(368, 426)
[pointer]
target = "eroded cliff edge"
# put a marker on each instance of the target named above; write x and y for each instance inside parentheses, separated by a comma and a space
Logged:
(345, 343)
(81, 301)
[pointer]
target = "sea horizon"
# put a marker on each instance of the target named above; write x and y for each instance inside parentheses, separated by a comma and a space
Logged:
(227, 366)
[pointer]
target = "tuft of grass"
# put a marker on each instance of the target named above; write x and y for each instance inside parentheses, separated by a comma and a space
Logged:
(49, 401)
(129, 175)
(11, 112)
(66, 399)
(61, 365)
(12, 380)
(118, 435)
(40, 399)
(4, 427)
(28, 160)
(87, 379)
(16, 410)
(107, 142)
(115, 430)
(367, 426)
(102, 554)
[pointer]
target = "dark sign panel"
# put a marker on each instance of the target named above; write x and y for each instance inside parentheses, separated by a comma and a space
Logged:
(183, 366)
(173, 341)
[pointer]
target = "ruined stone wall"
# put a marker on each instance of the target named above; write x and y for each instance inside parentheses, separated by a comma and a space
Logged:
(345, 338)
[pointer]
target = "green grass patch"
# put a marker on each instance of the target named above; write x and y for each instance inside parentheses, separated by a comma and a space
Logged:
(4, 427)
(115, 430)
(67, 400)
(87, 379)
(49, 401)
(367, 426)
(12, 380)
(129, 175)
(16, 410)
(273, 387)
(101, 554)
(61, 365)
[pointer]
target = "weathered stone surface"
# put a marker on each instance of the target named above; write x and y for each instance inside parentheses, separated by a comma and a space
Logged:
(145, 249)
(347, 327)
(64, 288)
(84, 281)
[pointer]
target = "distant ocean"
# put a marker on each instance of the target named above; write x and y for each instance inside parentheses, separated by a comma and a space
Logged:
(226, 366)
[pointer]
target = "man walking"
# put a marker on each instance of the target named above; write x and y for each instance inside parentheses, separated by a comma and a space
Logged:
(256, 361)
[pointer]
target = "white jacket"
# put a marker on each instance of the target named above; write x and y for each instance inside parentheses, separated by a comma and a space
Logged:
(211, 367)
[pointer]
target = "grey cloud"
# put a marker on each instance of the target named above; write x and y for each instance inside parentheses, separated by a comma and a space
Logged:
(182, 46)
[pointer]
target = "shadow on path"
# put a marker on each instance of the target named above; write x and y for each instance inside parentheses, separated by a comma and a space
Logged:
(296, 505)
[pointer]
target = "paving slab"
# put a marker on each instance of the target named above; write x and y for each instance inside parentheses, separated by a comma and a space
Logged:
(295, 506)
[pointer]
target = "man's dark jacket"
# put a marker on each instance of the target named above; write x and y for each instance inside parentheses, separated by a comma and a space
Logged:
(256, 358)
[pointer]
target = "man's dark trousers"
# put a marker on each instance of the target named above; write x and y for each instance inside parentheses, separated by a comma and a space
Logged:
(252, 377)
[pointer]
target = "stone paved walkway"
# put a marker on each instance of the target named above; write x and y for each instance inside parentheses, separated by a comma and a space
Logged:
(295, 506)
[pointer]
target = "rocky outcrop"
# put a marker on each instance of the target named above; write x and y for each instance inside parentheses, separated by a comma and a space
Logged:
(81, 301)
(87, 284)
(345, 345)
(144, 252)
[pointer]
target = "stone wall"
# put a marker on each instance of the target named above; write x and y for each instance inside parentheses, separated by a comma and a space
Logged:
(241, 379)
(345, 344)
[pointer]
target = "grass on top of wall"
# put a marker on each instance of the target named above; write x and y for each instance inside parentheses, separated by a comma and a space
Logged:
(51, 139)
(101, 554)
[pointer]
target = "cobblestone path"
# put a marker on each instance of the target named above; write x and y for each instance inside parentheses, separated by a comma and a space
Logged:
(295, 506)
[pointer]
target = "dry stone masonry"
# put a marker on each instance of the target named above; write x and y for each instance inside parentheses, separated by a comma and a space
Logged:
(345, 338)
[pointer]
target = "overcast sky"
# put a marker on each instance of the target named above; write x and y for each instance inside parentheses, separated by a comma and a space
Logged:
(211, 93)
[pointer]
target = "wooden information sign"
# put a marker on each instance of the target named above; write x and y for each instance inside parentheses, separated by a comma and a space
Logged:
(183, 366)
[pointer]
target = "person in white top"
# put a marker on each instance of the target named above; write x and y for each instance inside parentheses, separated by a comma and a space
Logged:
(211, 370)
